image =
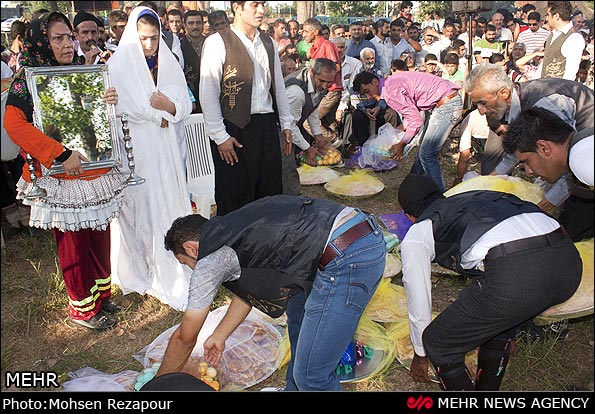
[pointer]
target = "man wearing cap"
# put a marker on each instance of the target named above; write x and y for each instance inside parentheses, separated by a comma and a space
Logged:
(521, 263)
(87, 35)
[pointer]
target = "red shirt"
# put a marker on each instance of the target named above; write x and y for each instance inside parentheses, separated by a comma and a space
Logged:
(322, 48)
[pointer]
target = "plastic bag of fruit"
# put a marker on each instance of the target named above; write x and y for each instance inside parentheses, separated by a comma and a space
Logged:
(330, 156)
(252, 353)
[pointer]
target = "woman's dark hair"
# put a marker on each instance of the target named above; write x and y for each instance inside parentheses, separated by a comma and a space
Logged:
(416, 209)
(183, 229)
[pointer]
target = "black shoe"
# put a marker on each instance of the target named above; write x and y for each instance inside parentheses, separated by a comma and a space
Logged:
(99, 322)
(110, 307)
(531, 332)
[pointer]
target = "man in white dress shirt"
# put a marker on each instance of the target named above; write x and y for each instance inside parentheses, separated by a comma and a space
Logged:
(521, 263)
(242, 94)
(305, 89)
(564, 47)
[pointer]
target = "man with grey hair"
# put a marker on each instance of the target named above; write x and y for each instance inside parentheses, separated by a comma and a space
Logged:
(501, 101)
(323, 48)
(350, 67)
(368, 58)
(305, 90)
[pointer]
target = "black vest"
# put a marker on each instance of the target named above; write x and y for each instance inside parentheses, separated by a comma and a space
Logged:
(554, 62)
(300, 78)
(192, 69)
(238, 73)
(460, 220)
(532, 91)
(576, 187)
(278, 240)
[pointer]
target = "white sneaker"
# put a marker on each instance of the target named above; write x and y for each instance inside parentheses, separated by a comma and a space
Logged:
(268, 389)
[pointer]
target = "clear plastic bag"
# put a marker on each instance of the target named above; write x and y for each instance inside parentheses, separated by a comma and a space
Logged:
(252, 352)
(380, 144)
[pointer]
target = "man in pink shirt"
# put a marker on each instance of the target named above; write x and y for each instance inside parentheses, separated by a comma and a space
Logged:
(410, 93)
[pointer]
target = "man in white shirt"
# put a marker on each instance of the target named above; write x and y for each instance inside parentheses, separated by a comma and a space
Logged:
(305, 89)
(349, 68)
(243, 98)
(521, 263)
(384, 53)
(503, 34)
(564, 47)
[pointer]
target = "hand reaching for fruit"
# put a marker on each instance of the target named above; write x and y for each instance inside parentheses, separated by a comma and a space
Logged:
(208, 375)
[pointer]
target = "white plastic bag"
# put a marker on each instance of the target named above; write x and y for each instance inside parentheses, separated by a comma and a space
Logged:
(91, 379)
(381, 143)
(252, 352)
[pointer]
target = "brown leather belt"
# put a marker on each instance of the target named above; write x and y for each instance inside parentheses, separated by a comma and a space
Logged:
(446, 98)
(534, 242)
(353, 234)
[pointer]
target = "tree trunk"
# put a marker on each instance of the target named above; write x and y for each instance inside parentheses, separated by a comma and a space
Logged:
(53, 5)
(305, 10)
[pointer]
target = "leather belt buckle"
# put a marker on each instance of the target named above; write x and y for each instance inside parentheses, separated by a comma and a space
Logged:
(446, 98)
(353, 234)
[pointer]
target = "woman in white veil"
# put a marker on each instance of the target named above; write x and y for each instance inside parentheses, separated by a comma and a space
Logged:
(152, 91)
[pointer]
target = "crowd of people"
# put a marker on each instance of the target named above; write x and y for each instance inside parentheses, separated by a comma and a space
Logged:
(267, 88)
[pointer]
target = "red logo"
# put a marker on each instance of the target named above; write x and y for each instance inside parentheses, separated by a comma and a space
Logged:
(420, 403)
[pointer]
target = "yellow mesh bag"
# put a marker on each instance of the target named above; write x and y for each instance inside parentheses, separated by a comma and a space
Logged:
(316, 175)
(399, 332)
(373, 336)
(358, 183)
(388, 304)
(523, 189)
(581, 303)
(393, 265)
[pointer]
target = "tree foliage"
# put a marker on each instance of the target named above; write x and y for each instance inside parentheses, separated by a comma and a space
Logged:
(443, 7)
(63, 6)
(350, 8)
(73, 112)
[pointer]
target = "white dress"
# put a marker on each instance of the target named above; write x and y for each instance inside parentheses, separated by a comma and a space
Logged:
(140, 262)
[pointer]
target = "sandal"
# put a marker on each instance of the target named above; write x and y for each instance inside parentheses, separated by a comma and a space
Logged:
(99, 322)
(110, 307)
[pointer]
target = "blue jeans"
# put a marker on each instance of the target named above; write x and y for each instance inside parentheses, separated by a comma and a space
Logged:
(322, 325)
(441, 122)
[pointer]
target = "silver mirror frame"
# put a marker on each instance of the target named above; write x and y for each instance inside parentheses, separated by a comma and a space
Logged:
(32, 73)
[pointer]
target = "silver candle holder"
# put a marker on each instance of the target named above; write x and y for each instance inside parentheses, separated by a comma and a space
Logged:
(133, 178)
(35, 191)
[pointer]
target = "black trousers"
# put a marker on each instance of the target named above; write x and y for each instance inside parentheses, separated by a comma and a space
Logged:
(257, 173)
(514, 288)
(577, 217)
(361, 124)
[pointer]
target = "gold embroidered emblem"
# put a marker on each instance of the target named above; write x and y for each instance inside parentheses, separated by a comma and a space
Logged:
(231, 88)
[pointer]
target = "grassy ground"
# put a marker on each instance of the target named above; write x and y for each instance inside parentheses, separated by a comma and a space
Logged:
(37, 337)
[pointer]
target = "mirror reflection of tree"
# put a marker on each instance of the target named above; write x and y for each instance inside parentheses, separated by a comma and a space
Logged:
(71, 105)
